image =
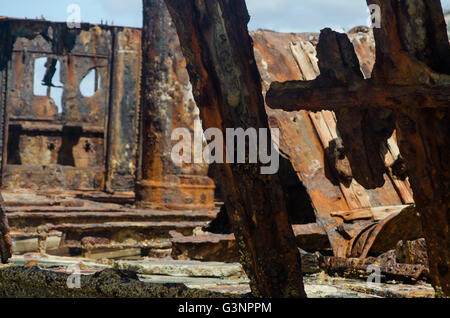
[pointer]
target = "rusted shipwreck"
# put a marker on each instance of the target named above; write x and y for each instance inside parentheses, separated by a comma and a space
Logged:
(72, 163)
(96, 170)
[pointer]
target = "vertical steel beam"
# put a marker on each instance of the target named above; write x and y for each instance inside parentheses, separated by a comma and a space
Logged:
(167, 104)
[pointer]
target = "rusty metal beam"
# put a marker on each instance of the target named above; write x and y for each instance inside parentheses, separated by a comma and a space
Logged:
(22, 220)
(313, 95)
(121, 234)
(5, 238)
(97, 131)
(227, 87)
(167, 104)
(307, 139)
(356, 267)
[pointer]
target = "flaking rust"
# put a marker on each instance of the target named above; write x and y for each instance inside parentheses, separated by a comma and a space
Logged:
(227, 87)
(356, 267)
(5, 238)
(409, 90)
(58, 135)
(356, 137)
(351, 212)
(86, 145)
(167, 104)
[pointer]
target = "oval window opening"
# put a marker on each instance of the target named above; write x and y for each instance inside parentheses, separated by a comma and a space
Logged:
(90, 83)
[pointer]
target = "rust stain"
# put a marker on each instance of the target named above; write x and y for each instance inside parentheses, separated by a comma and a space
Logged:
(306, 136)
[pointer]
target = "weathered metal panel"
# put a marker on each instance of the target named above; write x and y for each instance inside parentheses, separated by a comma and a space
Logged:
(82, 133)
(167, 104)
(40, 135)
(283, 57)
(306, 137)
(125, 108)
(53, 177)
(2, 118)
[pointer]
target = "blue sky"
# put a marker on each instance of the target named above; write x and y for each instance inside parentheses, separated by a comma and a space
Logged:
(279, 15)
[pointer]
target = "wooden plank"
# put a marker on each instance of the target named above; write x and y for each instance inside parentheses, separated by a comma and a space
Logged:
(321, 128)
(403, 187)
(331, 122)
(377, 213)
(358, 190)
(393, 147)
(355, 194)
(306, 64)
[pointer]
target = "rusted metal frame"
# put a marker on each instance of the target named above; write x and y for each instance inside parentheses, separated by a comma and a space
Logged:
(262, 230)
(122, 234)
(61, 48)
(109, 111)
(4, 121)
(21, 220)
(311, 178)
(276, 52)
(5, 238)
(88, 129)
(360, 244)
(342, 243)
(311, 236)
(46, 53)
(422, 143)
(355, 267)
(107, 114)
(404, 225)
(167, 104)
(312, 95)
(124, 108)
(154, 35)
(140, 137)
(52, 128)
